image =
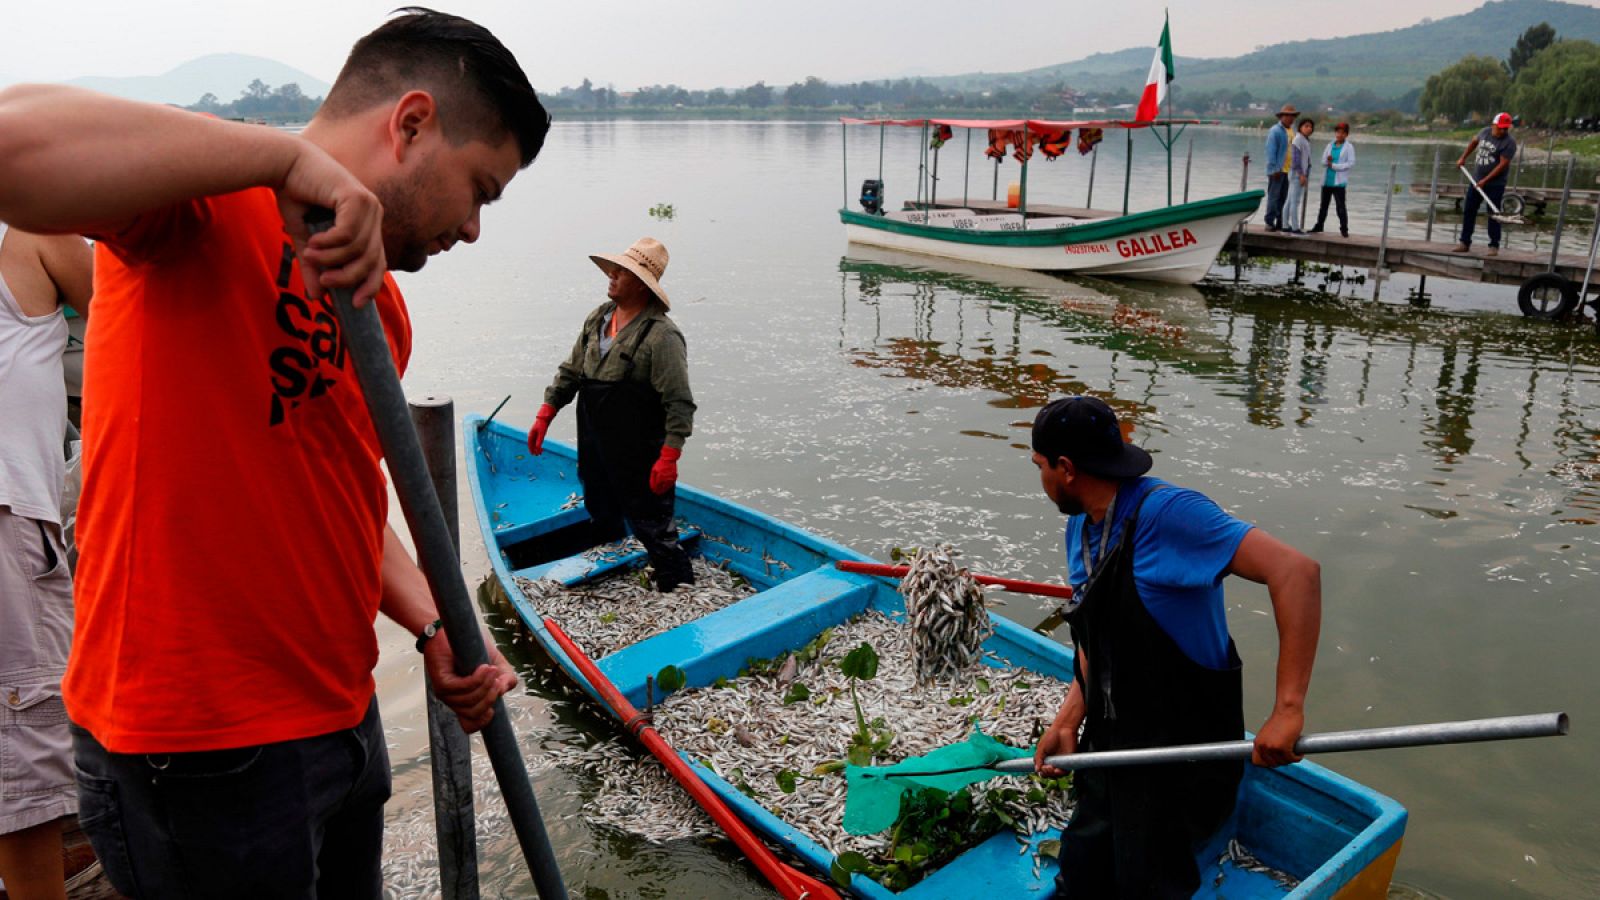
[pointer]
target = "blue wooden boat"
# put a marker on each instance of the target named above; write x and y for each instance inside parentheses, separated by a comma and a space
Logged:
(1339, 838)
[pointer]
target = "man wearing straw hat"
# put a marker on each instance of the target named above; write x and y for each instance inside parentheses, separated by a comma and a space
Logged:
(629, 370)
(1279, 159)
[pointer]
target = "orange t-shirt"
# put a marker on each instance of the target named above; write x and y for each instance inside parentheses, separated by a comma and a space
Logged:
(232, 517)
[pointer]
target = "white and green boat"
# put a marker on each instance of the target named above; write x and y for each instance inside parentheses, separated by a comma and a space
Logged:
(1176, 243)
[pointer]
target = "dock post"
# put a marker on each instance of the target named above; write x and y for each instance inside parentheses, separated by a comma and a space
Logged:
(449, 751)
(1383, 237)
(1187, 164)
(1238, 239)
(1094, 156)
(1427, 232)
(1561, 213)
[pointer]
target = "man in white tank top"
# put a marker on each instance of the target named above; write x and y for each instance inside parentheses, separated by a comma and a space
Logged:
(39, 275)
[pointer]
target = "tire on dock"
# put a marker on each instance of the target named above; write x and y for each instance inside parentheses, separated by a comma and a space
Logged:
(1513, 204)
(1548, 296)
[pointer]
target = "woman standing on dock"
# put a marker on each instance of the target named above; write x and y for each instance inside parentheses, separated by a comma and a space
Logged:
(1294, 218)
(1337, 161)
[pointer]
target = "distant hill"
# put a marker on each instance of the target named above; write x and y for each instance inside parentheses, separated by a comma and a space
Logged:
(1389, 63)
(224, 74)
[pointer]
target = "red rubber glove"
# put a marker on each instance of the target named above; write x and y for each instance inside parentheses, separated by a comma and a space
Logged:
(541, 424)
(664, 474)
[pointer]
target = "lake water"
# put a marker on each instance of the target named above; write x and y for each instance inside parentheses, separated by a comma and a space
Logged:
(1442, 463)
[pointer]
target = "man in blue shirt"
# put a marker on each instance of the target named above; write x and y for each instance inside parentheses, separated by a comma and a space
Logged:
(1491, 151)
(1155, 664)
(1278, 160)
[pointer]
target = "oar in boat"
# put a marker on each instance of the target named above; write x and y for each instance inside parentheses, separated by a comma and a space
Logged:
(792, 883)
(1013, 585)
(436, 554)
(1503, 728)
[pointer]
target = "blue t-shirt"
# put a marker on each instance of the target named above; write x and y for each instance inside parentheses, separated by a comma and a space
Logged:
(1181, 553)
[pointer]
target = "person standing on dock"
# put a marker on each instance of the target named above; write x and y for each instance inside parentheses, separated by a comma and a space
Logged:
(1155, 663)
(40, 275)
(1278, 161)
(1495, 148)
(1299, 176)
(235, 552)
(1337, 161)
(629, 371)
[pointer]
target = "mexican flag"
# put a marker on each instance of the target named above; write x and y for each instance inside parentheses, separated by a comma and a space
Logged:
(1161, 72)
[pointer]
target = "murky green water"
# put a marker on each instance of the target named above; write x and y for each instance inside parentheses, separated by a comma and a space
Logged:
(1443, 463)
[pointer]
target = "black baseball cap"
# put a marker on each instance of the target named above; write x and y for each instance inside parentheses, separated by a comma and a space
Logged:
(1085, 430)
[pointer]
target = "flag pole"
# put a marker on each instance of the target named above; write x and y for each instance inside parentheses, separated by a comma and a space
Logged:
(1166, 34)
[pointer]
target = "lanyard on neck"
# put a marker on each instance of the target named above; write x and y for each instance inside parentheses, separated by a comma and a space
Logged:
(1105, 538)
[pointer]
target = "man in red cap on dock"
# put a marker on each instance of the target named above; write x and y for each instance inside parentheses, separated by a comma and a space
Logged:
(1495, 148)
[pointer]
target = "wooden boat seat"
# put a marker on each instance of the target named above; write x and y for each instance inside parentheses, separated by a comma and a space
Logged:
(782, 618)
(579, 568)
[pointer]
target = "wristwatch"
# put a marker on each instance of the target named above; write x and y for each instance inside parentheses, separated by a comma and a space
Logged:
(428, 631)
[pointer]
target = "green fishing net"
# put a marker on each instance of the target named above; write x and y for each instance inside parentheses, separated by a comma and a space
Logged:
(872, 797)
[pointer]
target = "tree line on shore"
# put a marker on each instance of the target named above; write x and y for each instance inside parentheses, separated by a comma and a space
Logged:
(1543, 80)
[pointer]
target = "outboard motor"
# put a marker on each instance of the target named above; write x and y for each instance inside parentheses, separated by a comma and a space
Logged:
(872, 196)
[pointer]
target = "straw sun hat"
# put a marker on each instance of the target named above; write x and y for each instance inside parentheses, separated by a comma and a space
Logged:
(646, 258)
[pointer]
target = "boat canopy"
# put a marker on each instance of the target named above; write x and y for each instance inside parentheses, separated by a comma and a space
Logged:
(1030, 124)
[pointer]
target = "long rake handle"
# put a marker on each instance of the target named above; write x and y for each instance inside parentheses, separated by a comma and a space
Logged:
(1504, 728)
(1013, 585)
(436, 554)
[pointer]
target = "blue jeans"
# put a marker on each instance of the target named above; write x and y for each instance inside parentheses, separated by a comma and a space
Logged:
(297, 819)
(1291, 206)
(1277, 187)
(1469, 212)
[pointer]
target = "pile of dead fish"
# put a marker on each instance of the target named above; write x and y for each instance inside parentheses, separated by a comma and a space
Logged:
(948, 615)
(797, 715)
(616, 611)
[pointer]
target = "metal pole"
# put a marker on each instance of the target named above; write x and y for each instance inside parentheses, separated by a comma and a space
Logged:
(1094, 156)
(1549, 160)
(1238, 241)
(1127, 172)
(933, 185)
(966, 173)
(1561, 213)
(844, 145)
(408, 472)
(1594, 244)
(881, 129)
(1433, 196)
(1427, 232)
(1022, 197)
(1504, 728)
(994, 192)
(1188, 163)
(1383, 238)
(449, 750)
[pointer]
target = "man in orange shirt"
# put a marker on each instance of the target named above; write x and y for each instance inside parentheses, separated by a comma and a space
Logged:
(232, 564)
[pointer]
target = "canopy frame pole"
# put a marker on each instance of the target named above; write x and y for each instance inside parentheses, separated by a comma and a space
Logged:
(1127, 173)
(1188, 164)
(1094, 157)
(966, 173)
(1022, 196)
(844, 161)
(881, 129)
(933, 182)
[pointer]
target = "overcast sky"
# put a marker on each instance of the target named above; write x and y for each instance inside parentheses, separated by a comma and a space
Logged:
(700, 44)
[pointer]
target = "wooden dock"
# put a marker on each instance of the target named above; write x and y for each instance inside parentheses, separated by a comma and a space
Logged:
(1432, 258)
